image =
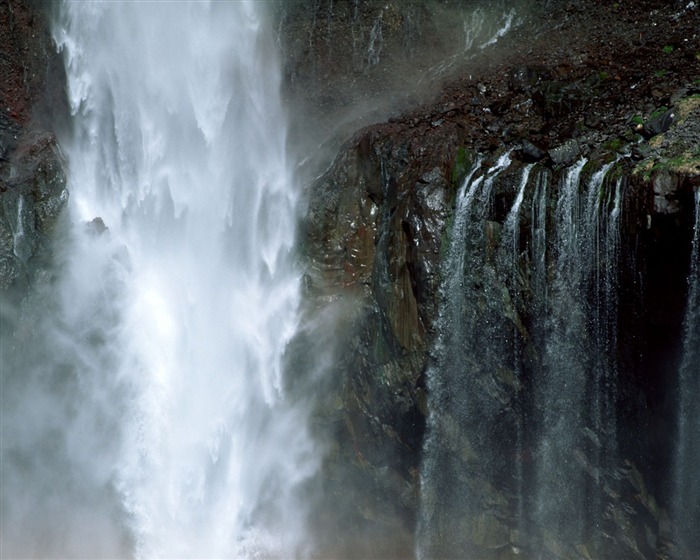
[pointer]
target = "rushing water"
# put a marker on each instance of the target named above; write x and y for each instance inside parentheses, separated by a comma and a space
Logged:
(575, 432)
(541, 428)
(463, 420)
(164, 429)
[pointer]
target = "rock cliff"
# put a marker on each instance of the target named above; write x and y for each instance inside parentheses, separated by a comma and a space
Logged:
(613, 85)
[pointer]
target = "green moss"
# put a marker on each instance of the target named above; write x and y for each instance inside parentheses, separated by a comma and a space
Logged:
(683, 163)
(660, 73)
(668, 49)
(688, 163)
(637, 119)
(614, 145)
(658, 112)
(462, 164)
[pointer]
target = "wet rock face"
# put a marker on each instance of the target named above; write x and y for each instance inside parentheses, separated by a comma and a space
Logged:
(32, 181)
(575, 85)
(372, 237)
(351, 63)
(32, 196)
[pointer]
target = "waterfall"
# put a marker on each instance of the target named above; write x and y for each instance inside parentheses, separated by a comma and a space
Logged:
(518, 444)
(575, 433)
(510, 263)
(166, 428)
(687, 510)
(462, 422)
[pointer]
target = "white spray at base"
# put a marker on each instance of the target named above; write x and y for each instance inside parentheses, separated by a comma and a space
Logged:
(179, 147)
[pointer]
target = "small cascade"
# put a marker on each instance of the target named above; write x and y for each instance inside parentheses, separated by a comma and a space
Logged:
(463, 420)
(559, 488)
(575, 434)
(538, 246)
(687, 474)
(510, 252)
(518, 443)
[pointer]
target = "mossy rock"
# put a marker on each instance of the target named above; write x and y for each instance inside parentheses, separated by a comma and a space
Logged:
(462, 164)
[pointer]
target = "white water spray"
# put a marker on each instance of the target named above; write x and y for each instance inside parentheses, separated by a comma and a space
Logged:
(173, 322)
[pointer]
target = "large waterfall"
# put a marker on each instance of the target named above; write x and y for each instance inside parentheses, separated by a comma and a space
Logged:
(159, 424)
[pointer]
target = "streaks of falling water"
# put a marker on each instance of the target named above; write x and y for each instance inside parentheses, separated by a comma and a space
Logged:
(576, 426)
(164, 429)
(460, 422)
(511, 266)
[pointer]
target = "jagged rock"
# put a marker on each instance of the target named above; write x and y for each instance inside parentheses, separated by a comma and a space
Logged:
(565, 154)
(665, 188)
(377, 220)
(530, 153)
(96, 226)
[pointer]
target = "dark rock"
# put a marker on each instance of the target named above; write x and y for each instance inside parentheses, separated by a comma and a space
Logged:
(96, 226)
(530, 153)
(32, 198)
(377, 218)
(665, 187)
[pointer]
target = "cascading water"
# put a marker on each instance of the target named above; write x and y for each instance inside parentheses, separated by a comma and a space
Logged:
(687, 510)
(509, 262)
(575, 412)
(463, 424)
(510, 431)
(165, 416)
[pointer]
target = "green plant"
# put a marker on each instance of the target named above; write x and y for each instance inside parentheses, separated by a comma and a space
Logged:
(637, 120)
(668, 49)
(658, 112)
(660, 73)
